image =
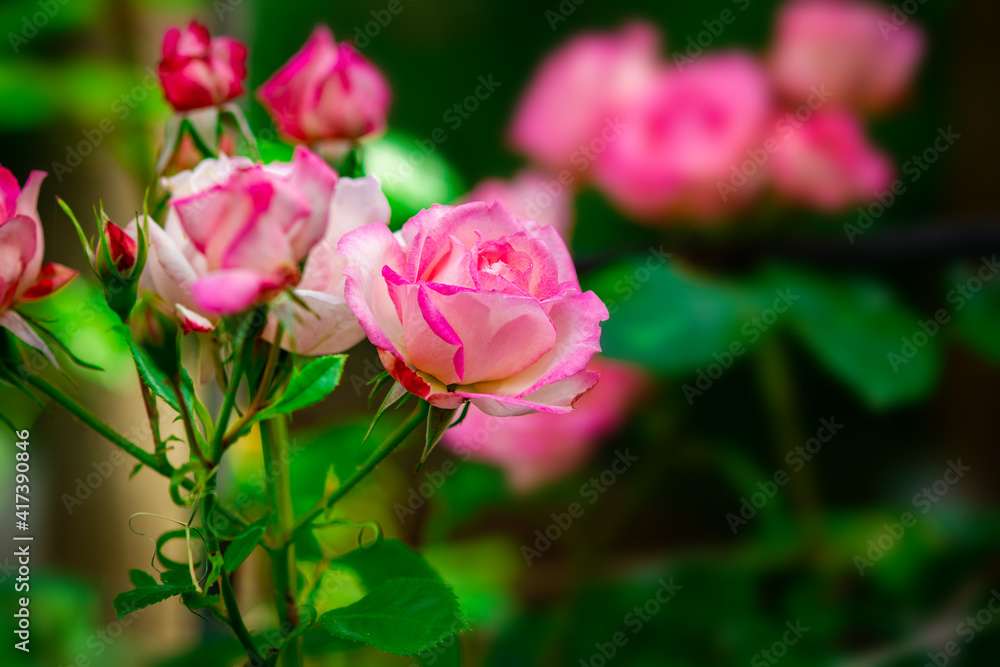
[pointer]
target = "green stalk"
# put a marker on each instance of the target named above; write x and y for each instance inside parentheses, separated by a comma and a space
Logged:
(415, 419)
(275, 442)
(150, 461)
(225, 585)
(778, 392)
(228, 403)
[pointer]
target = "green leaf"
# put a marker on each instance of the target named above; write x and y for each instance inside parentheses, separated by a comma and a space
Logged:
(401, 616)
(389, 559)
(146, 595)
(308, 386)
(396, 392)
(439, 420)
(152, 376)
(858, 329)
(240, 548)
(671, 319)
(141, 579)
(977, 313)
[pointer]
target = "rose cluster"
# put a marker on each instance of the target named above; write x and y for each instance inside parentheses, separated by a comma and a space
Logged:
(703, 135)
(467, 303)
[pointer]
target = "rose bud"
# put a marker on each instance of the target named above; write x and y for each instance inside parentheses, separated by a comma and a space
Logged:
(326, 92)
(200, 71)
(470, 303)
(23, 277)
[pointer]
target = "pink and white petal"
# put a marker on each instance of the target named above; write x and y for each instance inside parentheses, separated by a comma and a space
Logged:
(434, 347)
(330, 328)
(19, 239)
(577, 319)
(51, 278)
(169, 271)
(27, 200)
(316, 181)
(556, 398)
(192, 322)
(560, 253)
(466, 222)
(17, 326)
(356, 202)
(367, 250)
(501, 334)
(232, 290)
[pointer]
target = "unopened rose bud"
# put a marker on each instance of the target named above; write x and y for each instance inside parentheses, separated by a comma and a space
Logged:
(198, 71)
(327, 92)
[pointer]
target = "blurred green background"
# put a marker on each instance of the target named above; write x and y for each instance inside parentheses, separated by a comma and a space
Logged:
(699, 455)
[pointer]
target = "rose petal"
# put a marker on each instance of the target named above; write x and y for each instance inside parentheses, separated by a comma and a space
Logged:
(356, 202)
(556, 398)
(330, 328)
(577, 319)
(231, 291)
(51, 278)
(367, 250)
(17, 326)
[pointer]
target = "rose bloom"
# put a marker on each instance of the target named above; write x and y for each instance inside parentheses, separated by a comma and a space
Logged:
(535, 449)
(529, 195)
(198, 71)
(328, 326)
(470, 303)
(852, 49)
(579, 89)
(236, 232)
(829, 163)
(23, 277)
(327, 91)
(692, 129)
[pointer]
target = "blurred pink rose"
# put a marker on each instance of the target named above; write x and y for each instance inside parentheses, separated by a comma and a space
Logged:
(537, 448)
(579, 89)
(685, 136)
(198, 71)
(23, 277)
(531, 195)
(327, 91)
(330, 327)
(237, 232)
(863, 53)
(470, 303)
(828, 162)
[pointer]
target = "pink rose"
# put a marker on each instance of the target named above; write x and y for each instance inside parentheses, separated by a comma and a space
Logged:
(531, 195)
(23, 277)
(199, 71)
(578, 90)
(828, 162)
(236, 232)
(327, 91)
(685, 137)
(470, 303)
(851, 51)
(538, 448)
